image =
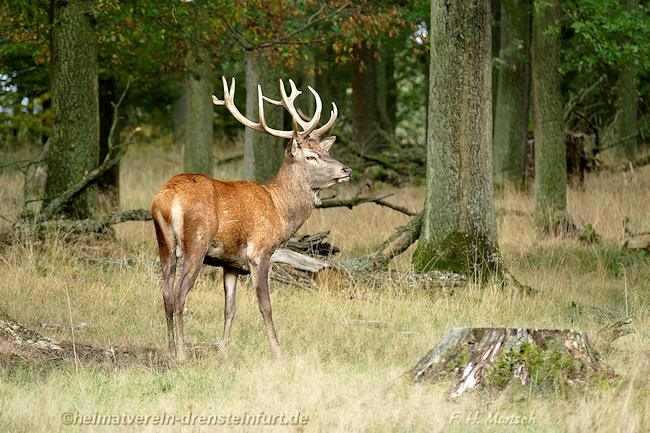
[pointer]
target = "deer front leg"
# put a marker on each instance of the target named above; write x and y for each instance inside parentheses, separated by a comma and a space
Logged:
(260, 273)
(230, 306)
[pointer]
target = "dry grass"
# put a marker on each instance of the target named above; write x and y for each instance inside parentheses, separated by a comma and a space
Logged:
(343, 378)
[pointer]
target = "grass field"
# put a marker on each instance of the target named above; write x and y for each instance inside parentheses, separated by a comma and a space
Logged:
(339, 378)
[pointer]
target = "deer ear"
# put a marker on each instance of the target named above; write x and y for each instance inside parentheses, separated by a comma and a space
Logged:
(326, 143)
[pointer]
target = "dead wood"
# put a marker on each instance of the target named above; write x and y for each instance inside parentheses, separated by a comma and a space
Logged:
(357, 200)
(397, 243)
(313, 245)
(635, 241)
(299, 261)
(498, 357)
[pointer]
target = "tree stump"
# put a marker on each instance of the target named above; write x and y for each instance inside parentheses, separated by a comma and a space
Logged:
(496, 357)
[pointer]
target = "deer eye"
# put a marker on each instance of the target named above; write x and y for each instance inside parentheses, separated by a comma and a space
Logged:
(311, 158)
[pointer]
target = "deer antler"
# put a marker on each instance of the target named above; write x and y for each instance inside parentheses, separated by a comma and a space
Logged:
(229, 102)
(287, 102)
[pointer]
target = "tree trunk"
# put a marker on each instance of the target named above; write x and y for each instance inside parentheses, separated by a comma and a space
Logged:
(459, 221)
(512, 105)
(550, 150)
(627, 127)
(364, 100)
(180, 115)
(495, 6)
(387, 92)
(109, 182)
(74, 149)
(547, 359)
(197, 155)
(262, 152)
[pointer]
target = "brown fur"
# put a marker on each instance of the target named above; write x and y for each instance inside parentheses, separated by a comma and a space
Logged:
(236, 225)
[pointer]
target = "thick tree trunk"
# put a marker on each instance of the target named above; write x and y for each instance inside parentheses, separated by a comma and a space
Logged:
(364, 100)
(550, 150)
(496, 357)
(197, 155)
(74, 147)
(459, 222)
(512, 105)
(109, 182)
(262, 152)
(495, 6)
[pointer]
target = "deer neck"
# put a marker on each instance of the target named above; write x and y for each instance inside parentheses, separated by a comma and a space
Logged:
(293, 198)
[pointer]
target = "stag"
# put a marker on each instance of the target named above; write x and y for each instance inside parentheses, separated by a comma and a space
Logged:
(239, 224)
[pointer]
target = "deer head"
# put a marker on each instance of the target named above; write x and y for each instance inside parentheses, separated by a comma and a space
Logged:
(307, 154)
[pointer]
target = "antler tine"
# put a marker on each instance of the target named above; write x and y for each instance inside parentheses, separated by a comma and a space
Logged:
(287, 102)
(326, 127)
(217, 101)
(309, 127)
(260, 103)
(307, 124)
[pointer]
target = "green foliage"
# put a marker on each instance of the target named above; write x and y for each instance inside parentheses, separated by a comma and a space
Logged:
(607, 33)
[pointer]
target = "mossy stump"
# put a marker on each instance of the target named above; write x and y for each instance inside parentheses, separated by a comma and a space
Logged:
(494, 358)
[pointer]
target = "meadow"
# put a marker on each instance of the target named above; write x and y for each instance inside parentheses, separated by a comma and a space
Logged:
(339, 378)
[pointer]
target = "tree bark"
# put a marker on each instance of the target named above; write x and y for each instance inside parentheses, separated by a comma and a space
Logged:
(74, 149)
(459, 221)
(550, 150)
(627, 125)
(364, 99)
(179, 115)
(495, 6)
(197, 155)
(109, 182)
(262, 152)
(512, 105)
(387, 92)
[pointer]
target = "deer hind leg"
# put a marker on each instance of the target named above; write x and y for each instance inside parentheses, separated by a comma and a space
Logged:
(167, 251)
(192, 261)
(260, 274)
(230, 305)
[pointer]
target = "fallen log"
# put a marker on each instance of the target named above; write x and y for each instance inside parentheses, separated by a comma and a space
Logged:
(547, 359)
(640, 243)
(313, 245)
(298, 261)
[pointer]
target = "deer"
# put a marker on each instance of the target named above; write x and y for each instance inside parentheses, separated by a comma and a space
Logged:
(237, 225)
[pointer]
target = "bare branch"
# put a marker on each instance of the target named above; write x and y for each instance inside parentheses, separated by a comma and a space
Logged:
(357, 200)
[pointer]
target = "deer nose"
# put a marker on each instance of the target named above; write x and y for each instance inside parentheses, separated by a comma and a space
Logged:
(347, 171)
